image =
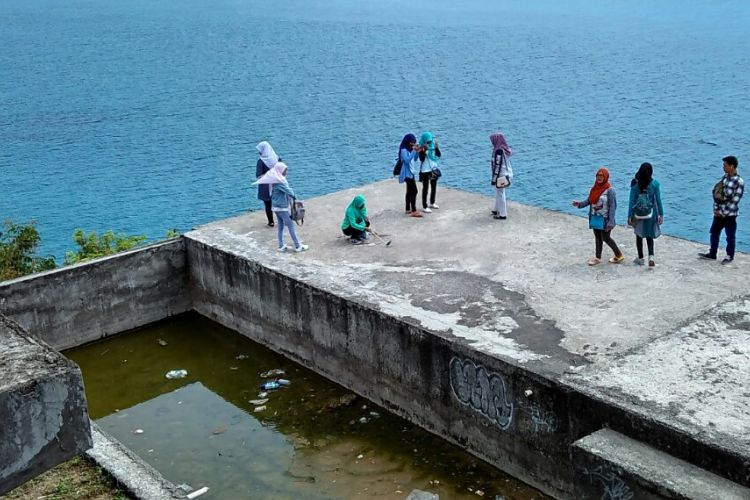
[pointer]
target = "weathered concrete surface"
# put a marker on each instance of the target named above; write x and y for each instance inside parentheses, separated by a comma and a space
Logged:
(133, 474)
(73, 305)
(43, 418)
(695, 380)
(610, 465)
(493, 334)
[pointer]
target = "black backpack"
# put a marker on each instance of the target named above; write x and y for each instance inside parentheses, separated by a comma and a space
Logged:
(397, 167)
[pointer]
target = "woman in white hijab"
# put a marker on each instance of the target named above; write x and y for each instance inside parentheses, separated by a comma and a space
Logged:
(268, 158)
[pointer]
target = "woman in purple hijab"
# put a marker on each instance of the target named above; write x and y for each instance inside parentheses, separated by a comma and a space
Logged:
(502, 173)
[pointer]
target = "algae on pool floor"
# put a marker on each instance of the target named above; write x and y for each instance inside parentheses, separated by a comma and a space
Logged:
(312, 440)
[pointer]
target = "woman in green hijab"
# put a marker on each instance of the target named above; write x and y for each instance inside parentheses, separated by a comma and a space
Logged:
(429, 172)
(355, 223)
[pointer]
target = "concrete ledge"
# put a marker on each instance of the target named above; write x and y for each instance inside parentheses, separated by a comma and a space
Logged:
(42, 407)
(610, 465)
(133, 474)
(73, 305)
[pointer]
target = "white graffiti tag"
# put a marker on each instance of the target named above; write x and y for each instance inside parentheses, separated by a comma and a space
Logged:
(544, 420)
(484, 391)
(614, 488)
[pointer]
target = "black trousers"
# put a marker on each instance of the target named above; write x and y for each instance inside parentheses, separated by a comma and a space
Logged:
(411, 195)
(639, 246)
(269, 213)
(427, 181)
(356, 233)
(602, 236)
(729, 225)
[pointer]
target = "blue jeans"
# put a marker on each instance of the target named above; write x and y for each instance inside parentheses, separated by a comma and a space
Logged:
(729, 225)
(283, 219)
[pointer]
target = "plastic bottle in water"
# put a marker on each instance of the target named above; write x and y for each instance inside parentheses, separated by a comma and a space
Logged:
(283, 381)
(269, 386)
(173, 374)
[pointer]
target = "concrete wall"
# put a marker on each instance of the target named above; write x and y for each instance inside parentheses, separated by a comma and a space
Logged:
(507, 416)
(43, 417)
(77, 304)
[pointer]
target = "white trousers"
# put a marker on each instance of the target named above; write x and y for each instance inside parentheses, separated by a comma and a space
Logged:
(500, 206)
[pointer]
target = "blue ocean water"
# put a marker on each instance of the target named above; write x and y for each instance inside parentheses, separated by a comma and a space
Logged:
(142, 116)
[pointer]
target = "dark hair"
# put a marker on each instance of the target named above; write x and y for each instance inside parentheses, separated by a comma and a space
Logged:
(644, 175)
(732, 160)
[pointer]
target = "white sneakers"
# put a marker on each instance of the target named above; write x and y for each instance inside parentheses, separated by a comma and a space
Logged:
(434, 206)
(426, 210)
(300, 248)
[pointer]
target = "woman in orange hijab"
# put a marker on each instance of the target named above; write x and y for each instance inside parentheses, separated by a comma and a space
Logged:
(602, 203)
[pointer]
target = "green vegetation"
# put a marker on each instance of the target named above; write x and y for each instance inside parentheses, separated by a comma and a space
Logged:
(75, 479)
(18, 245)
(91, 245)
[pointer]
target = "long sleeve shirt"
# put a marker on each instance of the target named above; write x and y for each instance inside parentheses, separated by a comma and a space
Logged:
(408, 163)
(606, 207)
(280, 195)
(734, 188)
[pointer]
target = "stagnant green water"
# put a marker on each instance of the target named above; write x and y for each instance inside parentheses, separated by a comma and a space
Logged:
(311, 441)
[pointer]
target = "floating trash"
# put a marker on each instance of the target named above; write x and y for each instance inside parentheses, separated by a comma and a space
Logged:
(270, 386)
(162, 342)
(137, 431)
(284, 382)
(259, 408)
(241, 356)
(258, 402)
(197, 493)
(273, 373)
(173, 374)
(262, 395)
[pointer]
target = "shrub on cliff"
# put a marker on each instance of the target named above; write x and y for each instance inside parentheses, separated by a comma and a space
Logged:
(91, 245)
(18, 245)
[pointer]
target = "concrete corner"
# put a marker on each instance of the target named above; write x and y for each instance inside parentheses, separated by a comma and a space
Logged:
(42, 407)
(136, 476)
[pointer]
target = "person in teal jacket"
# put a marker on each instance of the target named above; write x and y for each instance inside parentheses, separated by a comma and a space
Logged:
(645, 212)
(355, 223)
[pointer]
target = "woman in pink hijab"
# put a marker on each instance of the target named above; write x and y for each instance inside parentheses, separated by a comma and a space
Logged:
(502, 173)
(281, 197)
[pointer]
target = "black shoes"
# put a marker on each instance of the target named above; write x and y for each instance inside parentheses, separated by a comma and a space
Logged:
(709, 256)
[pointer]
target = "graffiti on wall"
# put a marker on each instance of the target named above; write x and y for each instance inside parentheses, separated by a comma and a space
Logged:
(544, 421)
(613, 487)
(485, 392)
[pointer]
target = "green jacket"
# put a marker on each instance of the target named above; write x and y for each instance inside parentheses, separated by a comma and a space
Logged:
(355, 214)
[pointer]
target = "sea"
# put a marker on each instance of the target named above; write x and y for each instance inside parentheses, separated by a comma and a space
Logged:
(142, 116)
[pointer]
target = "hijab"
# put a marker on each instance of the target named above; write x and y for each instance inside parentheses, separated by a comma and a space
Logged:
(428, 140)
(277, 175)
(644, 176)
(599, 187)
(267, 154)
(408, 138)
(357, 208)
(499, 142)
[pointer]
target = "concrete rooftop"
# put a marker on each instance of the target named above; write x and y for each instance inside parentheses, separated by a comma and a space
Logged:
(673, 342)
